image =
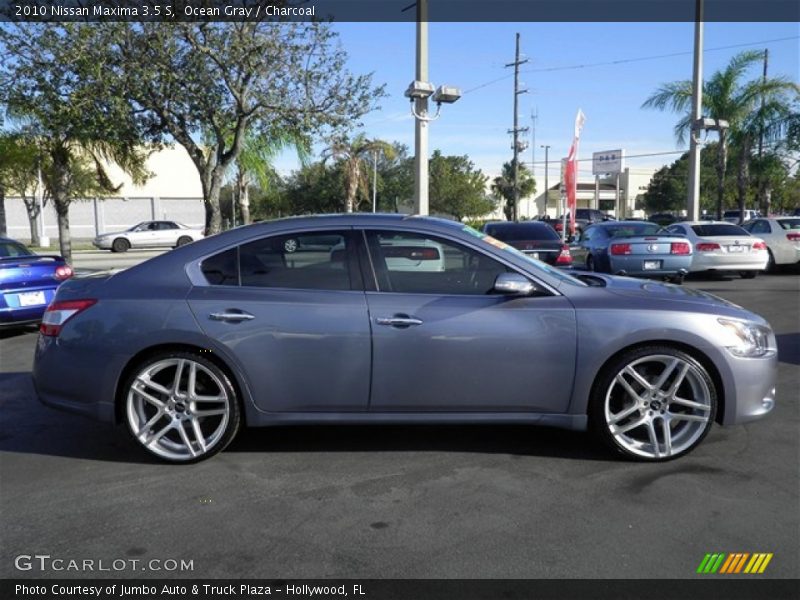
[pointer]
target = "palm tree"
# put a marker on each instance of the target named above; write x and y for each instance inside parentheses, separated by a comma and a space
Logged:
(353, 154)
(503, 186)
(726, 96)
(254, 164)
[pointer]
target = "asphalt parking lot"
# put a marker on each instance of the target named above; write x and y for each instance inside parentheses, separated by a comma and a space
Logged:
(421, 502)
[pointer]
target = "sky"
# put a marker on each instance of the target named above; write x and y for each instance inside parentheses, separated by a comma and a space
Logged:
(472, 56)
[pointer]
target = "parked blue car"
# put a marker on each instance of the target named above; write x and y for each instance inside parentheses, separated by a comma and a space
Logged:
(633, 248)
(28, 282)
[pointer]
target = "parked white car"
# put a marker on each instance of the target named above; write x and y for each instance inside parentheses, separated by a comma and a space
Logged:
(722, 246)
(148, 234)
(732, 216)
(782, 235)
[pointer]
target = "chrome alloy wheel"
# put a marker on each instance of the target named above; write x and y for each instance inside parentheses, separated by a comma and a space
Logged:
(659, 406)
(178, 408)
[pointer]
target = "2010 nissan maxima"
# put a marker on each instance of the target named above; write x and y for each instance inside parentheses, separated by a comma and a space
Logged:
(393, 319)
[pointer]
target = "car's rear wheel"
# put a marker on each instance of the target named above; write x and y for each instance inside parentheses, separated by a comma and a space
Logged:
(590, 266)
(771, 264)
(181, 407)
(183, 240)
(653, 403)
(120, 245)
(748, 274)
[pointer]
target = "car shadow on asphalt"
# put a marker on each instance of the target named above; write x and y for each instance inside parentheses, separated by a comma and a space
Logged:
(29, 427)
(789, 348)
(9, 332)
(514, 440)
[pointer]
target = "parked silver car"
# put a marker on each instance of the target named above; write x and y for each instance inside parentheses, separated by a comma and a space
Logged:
(235, 330)
(148, 234)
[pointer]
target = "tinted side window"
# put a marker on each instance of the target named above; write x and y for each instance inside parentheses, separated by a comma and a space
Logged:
(314, 260)
(417, 264)
(222, 269)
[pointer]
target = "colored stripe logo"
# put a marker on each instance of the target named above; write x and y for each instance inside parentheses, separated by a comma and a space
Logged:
(735, 563)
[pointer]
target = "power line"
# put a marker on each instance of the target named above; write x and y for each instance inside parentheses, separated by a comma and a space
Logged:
(628, 60)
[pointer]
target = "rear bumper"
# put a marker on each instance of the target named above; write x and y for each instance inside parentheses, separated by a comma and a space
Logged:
(730, 262)
(634, 265)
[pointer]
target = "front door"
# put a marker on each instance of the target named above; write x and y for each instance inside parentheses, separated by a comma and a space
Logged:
(443, 342)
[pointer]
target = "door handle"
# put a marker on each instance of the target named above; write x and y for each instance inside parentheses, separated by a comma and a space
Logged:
(402, 321)
(231, 316)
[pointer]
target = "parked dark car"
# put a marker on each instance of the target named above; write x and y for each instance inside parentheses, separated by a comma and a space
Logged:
(634, 248)
(662, 219)
(190, 346)
(28, 282)
(583, 218)
(534, 238)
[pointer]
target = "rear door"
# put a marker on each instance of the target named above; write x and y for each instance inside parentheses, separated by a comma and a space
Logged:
(295, 321)
(443, 342)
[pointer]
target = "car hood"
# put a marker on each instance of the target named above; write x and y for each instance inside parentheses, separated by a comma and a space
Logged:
(647, 290)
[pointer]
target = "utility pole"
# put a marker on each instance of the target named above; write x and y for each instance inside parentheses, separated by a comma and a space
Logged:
(517, 129)
(375, 181)
(762, 201)
(693, 201)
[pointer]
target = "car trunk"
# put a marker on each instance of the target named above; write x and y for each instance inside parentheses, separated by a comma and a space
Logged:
(27, 271)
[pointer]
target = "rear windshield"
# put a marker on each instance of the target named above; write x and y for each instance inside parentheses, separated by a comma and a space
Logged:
(13, 249)
(714, 229)
(514, 232)
(789, 223)
(633, 229)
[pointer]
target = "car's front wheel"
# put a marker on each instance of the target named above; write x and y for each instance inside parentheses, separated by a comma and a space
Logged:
(653, 403)
(181, 407)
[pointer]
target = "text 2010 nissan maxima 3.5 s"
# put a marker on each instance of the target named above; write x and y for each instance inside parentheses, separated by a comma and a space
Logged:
(392, 319)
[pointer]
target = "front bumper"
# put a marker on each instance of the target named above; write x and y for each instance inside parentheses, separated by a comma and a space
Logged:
(750, 388)
(102, 243)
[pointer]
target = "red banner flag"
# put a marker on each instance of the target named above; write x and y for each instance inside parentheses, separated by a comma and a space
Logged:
(571, 172)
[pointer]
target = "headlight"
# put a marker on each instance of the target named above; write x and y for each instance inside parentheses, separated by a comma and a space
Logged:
(746, 339)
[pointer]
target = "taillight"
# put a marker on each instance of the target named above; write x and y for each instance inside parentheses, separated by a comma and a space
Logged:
(759, 246)
(679, 248)
(63, 272)
(58, 313)
(617, 249)
(793, 237)
(706, 247)
(564, 258)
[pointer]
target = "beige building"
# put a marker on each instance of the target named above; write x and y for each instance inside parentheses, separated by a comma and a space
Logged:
(173, 192)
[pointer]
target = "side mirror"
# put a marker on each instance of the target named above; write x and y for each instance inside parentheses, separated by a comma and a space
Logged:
(513, 284)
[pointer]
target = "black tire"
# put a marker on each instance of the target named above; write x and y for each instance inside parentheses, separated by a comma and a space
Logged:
(627, 426)
(120, 245)
(590, 266)
(154, 410)
(748, 274)
(676, 279)
(183, 240)
(771, 264)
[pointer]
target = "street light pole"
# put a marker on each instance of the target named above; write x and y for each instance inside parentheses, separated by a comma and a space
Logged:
(546, 169)
(693, 201)
(375, 181)
(421, 106)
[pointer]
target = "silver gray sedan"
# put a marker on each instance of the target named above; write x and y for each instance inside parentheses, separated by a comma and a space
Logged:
(394, 319)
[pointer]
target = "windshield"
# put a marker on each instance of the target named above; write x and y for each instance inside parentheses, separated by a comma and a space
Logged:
(541, 266)
(719, 229)
(633, 229)
(8, 249)
(516, 232)
(789, 223)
